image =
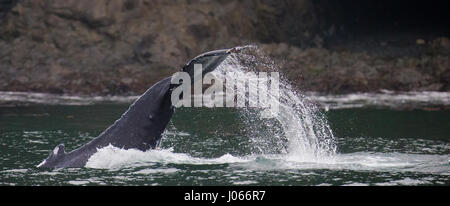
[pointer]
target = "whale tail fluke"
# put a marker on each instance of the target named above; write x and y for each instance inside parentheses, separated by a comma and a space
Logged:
(141, 126)
(56, 154)
(58, 151)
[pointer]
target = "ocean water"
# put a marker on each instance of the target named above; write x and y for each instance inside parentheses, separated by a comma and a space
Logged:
(210, 146)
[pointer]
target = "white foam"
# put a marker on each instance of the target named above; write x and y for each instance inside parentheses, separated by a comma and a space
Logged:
(246, 182)
(153, 161)
(16, 171)
(382, 99)
(362, 161)
(405, 181)
(154, 171)
(385, 99)
(111, 157)
(54, 99)
(78, 182)
(356, 184)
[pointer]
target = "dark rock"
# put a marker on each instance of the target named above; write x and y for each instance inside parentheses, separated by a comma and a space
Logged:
(124, 46)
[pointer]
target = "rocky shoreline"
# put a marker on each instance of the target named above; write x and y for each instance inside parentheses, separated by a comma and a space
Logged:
(122, 47)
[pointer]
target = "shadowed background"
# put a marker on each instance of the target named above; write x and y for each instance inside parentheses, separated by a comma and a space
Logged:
(121, 47)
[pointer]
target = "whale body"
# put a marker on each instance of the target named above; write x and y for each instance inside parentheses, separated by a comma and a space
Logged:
(141, 126)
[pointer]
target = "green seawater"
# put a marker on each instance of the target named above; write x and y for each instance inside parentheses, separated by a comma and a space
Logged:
(213, 147)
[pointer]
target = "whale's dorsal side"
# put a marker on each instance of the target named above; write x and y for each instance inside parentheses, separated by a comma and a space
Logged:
(141, 126)
(55, 155)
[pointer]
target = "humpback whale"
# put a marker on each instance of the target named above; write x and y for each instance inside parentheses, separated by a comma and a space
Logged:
(141, 126)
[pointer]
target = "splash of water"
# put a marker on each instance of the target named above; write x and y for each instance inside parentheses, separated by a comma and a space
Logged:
(299, 132)
(299, 129)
